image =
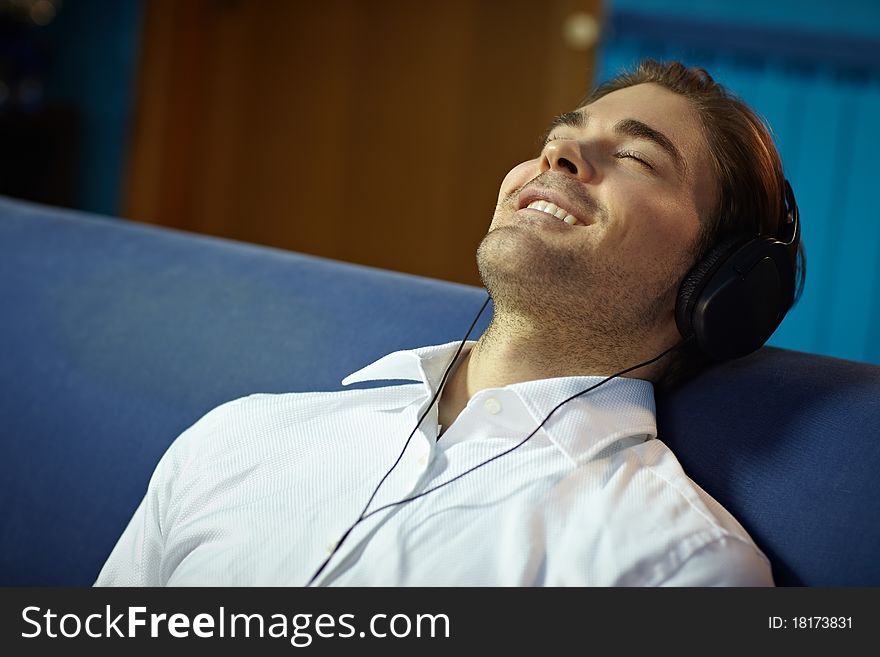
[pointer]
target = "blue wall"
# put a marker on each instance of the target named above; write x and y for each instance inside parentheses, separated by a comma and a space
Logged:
(812, 69)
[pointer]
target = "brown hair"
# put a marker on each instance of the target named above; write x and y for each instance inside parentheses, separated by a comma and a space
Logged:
(747, 168)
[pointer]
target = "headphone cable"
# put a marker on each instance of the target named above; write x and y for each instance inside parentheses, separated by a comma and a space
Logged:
(363, 515)
(424, 414)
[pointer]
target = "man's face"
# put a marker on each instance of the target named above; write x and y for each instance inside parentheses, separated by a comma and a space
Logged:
(629, 179)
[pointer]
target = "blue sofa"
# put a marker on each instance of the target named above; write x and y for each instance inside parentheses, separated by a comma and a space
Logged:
(117, 336)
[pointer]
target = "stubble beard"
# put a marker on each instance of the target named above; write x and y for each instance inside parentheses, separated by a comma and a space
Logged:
(586, 306)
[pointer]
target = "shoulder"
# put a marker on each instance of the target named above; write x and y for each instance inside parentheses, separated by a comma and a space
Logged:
(257, 417)
(654, 525)
(660, 467)
(254, 438)
(259, 426)
(713, 548)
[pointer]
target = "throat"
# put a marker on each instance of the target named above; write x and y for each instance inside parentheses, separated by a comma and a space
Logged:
(455, 395)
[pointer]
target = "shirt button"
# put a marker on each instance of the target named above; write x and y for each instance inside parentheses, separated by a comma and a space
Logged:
(492, 406)
(331, 546)
(423, 460)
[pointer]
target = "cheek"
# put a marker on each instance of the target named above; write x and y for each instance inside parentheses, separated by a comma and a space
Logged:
(660, 231)
(517, 177)
(670, 243)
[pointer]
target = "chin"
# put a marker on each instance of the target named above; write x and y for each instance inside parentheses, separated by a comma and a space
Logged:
(504, 250)
(519, 268)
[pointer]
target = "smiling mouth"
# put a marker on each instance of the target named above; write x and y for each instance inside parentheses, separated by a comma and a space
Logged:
(553, 210)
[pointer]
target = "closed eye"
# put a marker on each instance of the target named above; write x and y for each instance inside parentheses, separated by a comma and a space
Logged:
(634, 155)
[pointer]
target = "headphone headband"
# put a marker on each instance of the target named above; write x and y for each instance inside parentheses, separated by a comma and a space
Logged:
(790, 228)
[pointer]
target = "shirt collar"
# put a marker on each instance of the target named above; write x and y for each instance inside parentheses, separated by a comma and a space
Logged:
(425, 364)
(617, 414)
(620, 410)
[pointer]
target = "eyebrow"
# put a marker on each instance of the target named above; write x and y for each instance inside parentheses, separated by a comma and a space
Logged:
(573, 119)
(628, 128)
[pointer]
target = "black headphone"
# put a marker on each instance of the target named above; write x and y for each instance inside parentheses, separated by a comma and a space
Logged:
(734, 298)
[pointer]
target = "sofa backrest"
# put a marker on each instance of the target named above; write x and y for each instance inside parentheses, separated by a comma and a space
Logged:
(117, 336)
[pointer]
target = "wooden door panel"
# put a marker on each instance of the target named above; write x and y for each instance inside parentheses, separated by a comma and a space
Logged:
(374, 132)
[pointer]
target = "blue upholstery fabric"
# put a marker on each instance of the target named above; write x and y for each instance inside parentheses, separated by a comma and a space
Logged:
(115, 337)
(787, 442)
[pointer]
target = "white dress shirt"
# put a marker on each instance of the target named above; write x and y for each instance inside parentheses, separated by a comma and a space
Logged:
(258, 492)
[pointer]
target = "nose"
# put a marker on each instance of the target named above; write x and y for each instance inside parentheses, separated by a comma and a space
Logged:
(566, 156)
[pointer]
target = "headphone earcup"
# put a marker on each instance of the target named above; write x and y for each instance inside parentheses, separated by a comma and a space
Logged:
(733, 300)
(695, 281)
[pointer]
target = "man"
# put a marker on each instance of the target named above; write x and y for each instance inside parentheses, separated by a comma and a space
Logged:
(502, 481)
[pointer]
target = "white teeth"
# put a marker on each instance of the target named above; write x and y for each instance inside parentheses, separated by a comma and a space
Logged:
(553, 209)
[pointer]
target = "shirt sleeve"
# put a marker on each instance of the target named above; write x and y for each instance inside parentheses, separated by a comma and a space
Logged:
(139, 554)
(724, 562)
(135, 558)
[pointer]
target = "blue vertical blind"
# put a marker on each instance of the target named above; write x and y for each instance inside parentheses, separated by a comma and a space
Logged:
(820, 94)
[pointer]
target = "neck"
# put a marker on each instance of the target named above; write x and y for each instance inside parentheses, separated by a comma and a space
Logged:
(513, 350)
